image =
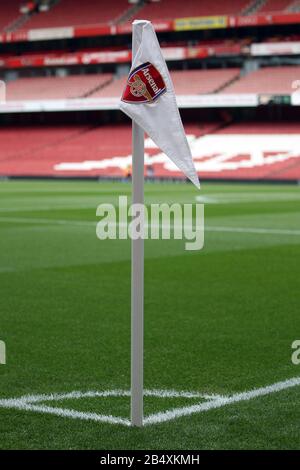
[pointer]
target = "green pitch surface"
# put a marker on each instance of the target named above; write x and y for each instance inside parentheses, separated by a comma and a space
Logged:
(218, 322)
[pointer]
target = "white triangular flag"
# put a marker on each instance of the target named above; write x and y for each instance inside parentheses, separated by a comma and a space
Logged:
(149, 99)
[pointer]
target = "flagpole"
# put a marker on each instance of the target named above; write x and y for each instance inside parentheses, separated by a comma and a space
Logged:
(163, 124)
(137, 271)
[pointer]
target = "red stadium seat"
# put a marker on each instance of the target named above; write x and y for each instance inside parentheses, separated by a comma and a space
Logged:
(9, 13)
(46, 88)
(169, 9)
(62, 151)
(274, 6)
(76, 12)
(277, 80)
(186, 82)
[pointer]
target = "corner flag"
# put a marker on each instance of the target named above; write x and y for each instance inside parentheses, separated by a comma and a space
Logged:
(149, 100)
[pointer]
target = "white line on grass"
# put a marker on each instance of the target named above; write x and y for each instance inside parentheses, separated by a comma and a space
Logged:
(256, 230)
(34, 402)
(7, 210)
(208, 228)
(20, 404)
(241, 198)
(35, 220)
(219, 403)
(116, 393)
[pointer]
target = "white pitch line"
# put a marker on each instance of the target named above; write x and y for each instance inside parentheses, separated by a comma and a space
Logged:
(74, 395)
(208, 228)
(271, 231)
(30, 403)
(8, 210)
(238, 397)
(177, 394)
(32, 220)
(115, 393)
(246, 198)
(19, 404)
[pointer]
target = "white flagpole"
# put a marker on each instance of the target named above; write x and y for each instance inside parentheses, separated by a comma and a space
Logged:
(137, 268)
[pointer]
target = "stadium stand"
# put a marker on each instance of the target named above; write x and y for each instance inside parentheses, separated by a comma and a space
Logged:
(39, 149)
(203, 81)
(257, 150)
(241, 150)
(294, 7)
(246, 151)
(20, 141)
(66, 13)
(169, 9)
(47, 88)
(9, 14)
(275, 6)
(72, 13)
(185, 82)
(277, 80)
(45, 147)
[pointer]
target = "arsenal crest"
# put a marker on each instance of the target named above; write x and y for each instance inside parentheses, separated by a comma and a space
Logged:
(144, 85)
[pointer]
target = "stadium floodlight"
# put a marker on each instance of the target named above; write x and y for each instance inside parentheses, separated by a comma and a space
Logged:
(149, 100)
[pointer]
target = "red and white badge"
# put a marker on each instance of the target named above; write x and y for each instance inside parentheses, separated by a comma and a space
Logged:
(144, 85)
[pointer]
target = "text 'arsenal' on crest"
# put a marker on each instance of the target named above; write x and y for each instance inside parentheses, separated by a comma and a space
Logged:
(144, 85)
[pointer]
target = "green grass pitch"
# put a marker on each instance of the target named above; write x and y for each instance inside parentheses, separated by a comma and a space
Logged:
(218, 321)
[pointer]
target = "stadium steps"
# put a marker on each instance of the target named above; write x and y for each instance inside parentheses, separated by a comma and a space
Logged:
(97, 88)
(272, 6)
(269, 80)
(253, 7)
(55, 87)
(17, 23)
(129, 13)
(24, 18)
(216, 127)
(226, 84)
(294, 7)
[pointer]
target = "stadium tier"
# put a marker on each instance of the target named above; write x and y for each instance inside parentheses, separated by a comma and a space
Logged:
(240, 151)
(275, 5)
(169, 9)
(20, 142)
(72, 13)
(9, 13)
(103, 85)
(47, 88)
(186, 82)
(250, 151)
(276, 80)
(267, 80)
(191, 82)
